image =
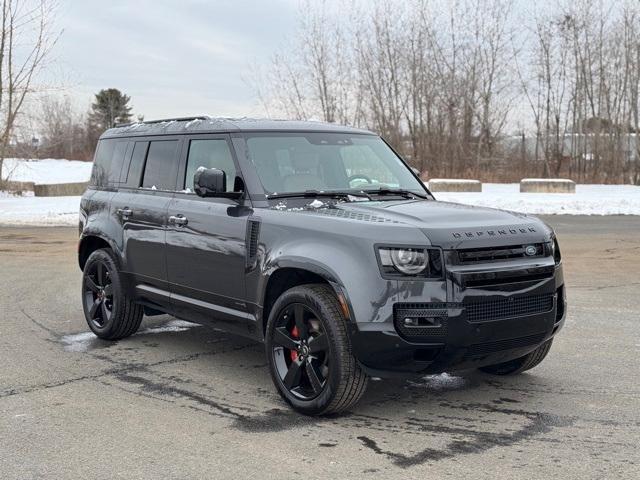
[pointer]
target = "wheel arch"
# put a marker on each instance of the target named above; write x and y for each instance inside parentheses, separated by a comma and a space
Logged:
(290, 273)
(89, 244)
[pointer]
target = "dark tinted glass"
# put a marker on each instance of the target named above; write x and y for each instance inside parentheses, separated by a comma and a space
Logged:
(116, 161)
(210, 153)
(108, 162)
(102, 162)
(136, 166)
(161, 167)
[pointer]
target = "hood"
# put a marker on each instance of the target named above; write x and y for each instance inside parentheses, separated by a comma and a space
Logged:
(452, 225)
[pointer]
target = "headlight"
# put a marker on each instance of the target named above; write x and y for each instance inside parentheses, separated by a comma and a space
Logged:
(409, 261)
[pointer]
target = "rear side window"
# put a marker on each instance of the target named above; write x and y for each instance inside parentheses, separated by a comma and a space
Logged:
(108, 162)
(134, 175)
(161, 167)
(210, 153)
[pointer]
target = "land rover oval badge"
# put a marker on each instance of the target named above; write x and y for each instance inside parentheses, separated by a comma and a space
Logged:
(530, 250)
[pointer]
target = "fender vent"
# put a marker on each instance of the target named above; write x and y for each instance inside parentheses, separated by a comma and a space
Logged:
(253, 235)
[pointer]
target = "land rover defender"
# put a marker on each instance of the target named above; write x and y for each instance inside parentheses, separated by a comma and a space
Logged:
(319, 241)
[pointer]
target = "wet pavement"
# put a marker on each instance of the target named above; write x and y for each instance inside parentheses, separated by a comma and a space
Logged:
(178, 400)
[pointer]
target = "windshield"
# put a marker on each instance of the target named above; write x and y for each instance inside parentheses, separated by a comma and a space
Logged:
(327, 162)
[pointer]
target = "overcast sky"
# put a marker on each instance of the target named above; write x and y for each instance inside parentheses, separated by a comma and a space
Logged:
(173, 58)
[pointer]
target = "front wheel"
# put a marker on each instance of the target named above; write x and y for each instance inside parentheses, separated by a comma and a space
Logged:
(522, 364)
(309, 352)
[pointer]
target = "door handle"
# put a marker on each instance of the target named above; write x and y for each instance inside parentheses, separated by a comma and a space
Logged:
(124, 212)
(178, 220)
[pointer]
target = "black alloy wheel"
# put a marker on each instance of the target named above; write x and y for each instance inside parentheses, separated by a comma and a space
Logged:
(300, 350)
(309, 351)
(108, 308)
(98, 293)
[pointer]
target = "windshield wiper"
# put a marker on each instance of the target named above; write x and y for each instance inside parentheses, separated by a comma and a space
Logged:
(318, 193)
(397, 191)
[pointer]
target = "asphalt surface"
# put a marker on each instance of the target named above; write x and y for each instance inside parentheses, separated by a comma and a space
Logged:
(180, 402)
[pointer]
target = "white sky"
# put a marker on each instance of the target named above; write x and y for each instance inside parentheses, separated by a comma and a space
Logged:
(173, 58)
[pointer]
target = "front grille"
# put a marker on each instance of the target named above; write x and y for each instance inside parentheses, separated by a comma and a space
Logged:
(425, 320)
(509, 308)
(489, 279)
(489, 254)
(500, 345)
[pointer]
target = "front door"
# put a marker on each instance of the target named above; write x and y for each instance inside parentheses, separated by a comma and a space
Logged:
(206, 241)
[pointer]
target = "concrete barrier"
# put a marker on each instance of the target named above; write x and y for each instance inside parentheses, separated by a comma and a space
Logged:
(12, 186)
(454, 185)
(60, 189)
(547, 185)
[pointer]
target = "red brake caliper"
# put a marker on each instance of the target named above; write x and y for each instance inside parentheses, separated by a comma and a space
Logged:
(294, 334)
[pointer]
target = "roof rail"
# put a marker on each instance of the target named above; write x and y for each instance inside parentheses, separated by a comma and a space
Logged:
(177, 119)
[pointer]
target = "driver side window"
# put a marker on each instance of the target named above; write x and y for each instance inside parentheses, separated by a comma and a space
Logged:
(210, 153)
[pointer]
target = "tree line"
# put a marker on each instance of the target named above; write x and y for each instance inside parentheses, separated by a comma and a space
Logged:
(489, 89)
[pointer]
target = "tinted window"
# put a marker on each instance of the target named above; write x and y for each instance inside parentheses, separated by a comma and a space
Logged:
(102, 162)
(160, 168)
(210, 154)
(108, 162)
(117, 160)
(134, 174)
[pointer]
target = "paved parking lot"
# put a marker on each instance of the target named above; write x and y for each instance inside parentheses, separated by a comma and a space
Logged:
(177, 401)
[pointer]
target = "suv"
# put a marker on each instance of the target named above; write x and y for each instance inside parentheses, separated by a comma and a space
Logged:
(319, 241)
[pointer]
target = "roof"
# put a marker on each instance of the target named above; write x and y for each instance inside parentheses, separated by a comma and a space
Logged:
(206, 124)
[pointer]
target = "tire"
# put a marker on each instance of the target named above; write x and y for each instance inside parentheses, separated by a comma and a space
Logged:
(109, 312)
(314, 381)
(522, 364)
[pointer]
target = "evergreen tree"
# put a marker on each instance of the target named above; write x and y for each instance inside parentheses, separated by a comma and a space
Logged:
(110, 108)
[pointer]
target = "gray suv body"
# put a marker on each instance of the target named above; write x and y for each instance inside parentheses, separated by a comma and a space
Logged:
(319, 241)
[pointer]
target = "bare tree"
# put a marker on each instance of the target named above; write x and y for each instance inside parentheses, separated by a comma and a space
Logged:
(26, 40)
(443, 81)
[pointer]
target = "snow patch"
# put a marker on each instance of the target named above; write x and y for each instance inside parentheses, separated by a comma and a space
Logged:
(79, 342)
(171, 326)
(356, 198)
(443, 381)
(316, 204)
(82, 342)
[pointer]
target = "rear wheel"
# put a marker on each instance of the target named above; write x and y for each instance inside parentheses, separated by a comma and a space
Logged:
(309, 352)
(522, 364)
(109, 312)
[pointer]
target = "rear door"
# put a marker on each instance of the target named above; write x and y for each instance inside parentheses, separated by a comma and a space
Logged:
(206, 240)
(141, 208)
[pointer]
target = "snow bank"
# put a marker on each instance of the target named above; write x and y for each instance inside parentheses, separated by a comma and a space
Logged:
(46, 171)
(588, 200)
(46, 211)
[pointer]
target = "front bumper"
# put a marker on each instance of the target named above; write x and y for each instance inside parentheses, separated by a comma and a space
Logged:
(469, 340)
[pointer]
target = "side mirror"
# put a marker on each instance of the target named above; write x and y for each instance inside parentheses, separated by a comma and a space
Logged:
(209, 182)
(212, 182)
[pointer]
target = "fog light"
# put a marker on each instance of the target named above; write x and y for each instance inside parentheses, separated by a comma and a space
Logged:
(410, 322)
